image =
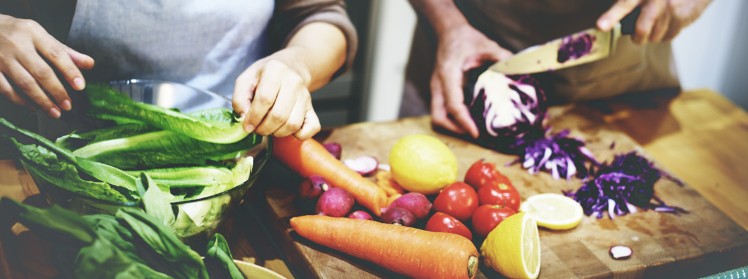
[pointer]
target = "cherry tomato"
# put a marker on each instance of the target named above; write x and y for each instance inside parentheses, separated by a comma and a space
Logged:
(441, 222)
(481, 173)
(458, 200)
(499, 194)
(488, 216)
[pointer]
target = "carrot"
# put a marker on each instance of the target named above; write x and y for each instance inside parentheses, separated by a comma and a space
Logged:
(309, 157)
(405, 250)
(385, 181)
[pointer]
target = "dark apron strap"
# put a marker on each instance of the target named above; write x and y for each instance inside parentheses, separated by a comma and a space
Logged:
(55, 16)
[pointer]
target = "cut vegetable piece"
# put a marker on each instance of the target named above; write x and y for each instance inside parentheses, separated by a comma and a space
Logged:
(105, 100)
(513, 247)
(620, 252)
(364, 165)
(553, 211)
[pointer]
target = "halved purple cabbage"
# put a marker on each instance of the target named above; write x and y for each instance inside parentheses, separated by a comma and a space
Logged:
(573, 47)
(620, 187)
(508, 110)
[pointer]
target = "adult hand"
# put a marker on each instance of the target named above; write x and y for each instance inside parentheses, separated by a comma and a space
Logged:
(29, 57)
(273, 96)
(459, 49)
(659, 21)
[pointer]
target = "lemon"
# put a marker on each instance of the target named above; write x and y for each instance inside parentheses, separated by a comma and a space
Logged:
(422, 163)
(513, 247)
(553, 211)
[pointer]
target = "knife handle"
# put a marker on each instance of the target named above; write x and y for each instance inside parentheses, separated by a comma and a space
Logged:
(628, 23)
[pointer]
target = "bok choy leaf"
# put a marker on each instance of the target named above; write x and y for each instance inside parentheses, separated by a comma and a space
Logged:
(107, 101)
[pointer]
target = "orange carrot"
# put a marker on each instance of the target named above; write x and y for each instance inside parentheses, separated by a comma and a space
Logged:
(405, 250)
(385, 181)
(309, 157)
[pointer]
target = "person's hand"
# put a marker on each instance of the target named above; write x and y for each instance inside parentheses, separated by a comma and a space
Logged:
(459, 50)
(659, 21)
(273, 96)
(29, 57)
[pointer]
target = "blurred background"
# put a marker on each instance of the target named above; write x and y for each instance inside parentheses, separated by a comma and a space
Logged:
(709, 54)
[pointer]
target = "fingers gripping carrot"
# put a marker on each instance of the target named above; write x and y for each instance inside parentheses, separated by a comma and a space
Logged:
(309, 157)
(409, 251)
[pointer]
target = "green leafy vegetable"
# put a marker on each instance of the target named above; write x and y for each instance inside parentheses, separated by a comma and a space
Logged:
(131, 244)
(156, 200)
(162, 148)
(219, 261)
(100, 171)
(106, 101)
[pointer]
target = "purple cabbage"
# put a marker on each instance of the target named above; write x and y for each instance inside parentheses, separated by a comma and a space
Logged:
(506, 109)
(559, 154)
(574, 47)
(510, 112)
(620, 187)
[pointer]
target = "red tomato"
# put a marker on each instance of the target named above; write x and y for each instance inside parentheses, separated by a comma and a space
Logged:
(482, 173)
(458, 200)
(488, 216)
(499, 194)
(441, 222)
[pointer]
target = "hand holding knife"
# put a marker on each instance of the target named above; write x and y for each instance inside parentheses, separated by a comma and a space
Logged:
(579, 48)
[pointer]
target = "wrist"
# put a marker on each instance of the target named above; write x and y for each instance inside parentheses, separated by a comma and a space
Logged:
(296, 59)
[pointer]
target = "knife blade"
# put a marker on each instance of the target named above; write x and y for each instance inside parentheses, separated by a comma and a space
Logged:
(579, 48)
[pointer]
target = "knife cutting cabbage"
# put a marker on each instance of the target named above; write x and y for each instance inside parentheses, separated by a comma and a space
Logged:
(582, 47)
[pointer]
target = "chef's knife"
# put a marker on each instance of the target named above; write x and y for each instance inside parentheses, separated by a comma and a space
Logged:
(578, 48)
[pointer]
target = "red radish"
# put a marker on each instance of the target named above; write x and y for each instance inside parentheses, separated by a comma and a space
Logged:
(335, 202)
(312, 187)
(360, 214)
(334, 148)
(364, 165)
(416, 203)
(309, 157)
(398, 216)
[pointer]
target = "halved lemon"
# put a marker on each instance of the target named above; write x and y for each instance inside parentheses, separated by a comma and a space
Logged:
(553, 211)
(513, 247)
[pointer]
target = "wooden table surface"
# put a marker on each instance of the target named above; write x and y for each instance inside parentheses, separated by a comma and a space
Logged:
(698, 136)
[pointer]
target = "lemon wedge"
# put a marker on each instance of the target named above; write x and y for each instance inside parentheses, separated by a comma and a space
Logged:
(513, 247)
(553, 211)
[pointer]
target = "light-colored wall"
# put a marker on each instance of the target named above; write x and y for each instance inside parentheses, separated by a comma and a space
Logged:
(709, 54)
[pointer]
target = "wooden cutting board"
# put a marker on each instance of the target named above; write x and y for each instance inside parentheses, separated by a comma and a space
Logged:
(702, 242)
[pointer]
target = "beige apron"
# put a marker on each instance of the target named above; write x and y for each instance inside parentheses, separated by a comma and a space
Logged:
(518, 24)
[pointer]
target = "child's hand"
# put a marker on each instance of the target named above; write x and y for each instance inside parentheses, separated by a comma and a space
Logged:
(29, 57)
(273, 96)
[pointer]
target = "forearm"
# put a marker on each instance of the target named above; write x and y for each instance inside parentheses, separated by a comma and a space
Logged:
(322, 50)
(442, 14)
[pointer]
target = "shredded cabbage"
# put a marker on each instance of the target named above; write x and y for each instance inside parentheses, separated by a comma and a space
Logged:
(623, 185)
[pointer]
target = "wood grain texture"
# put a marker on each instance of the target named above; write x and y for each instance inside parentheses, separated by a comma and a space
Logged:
(702, 242)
